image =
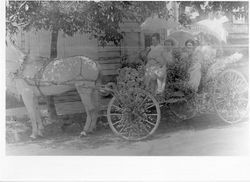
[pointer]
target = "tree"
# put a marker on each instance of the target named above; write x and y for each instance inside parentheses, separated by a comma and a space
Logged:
(206, 8)
(100, 20)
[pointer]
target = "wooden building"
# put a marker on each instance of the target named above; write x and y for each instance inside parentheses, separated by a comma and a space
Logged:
(37, 43)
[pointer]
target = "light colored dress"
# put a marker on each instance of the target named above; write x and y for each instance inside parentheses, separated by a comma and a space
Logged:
(195, 76)
(195, 69)
(205, 56)
(191, 62)
(156, 67)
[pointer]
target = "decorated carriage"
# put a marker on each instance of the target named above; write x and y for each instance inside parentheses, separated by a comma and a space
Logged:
(134, 112)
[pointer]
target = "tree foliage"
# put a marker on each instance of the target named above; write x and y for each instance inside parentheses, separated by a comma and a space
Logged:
(100, 19)
(206, 8)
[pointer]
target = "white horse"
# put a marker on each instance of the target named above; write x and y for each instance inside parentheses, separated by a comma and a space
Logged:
(35, 77)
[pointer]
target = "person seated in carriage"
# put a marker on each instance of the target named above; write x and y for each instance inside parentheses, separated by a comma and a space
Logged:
(185, 65)
(188, 61)
(190, 55)
(159, 58)
(156, 66)
(198, 57)
(168, 51)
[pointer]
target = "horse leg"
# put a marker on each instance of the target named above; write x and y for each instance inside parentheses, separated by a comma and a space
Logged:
(90, 102)
(31, 104)
(95, 111)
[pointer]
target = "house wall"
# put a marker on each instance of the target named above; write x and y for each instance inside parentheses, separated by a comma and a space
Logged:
(37, 43)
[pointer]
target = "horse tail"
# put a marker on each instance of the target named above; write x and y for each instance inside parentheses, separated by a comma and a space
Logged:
(100, 73)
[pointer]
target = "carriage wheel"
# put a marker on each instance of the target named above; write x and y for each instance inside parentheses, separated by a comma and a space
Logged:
(230, 96)
(134, 114)
(185, 109)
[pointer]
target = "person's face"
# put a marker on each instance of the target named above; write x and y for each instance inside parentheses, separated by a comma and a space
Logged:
(168, 46)
(190, 46)
(155, 42)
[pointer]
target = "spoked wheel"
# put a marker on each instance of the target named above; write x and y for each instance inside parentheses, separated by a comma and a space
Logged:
(184, 109)
(134, 114)
(230, 96)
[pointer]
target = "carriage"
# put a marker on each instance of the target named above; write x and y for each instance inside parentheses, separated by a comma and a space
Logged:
(134, 112)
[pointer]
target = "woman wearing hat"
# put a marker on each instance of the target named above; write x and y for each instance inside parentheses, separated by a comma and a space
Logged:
(192, 55)
(155, 67)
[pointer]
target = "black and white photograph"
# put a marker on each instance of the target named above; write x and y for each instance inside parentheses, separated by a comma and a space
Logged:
(126, 78)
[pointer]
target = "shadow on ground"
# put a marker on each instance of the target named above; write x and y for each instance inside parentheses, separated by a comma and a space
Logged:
(68, 137)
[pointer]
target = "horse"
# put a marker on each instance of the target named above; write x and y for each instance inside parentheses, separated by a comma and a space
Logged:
(35, 77)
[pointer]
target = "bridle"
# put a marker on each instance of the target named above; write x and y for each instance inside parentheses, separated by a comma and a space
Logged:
(19, 73)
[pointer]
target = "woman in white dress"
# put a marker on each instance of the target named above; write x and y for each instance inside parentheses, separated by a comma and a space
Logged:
(155, 67)
(195, 66)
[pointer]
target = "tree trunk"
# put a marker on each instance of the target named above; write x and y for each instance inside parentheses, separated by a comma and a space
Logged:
(53, 54)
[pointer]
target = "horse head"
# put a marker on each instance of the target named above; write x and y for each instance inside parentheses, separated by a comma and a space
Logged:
(14, 57)
(14, 60)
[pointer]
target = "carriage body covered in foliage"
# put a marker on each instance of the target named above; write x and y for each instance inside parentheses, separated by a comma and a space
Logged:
(134, 111)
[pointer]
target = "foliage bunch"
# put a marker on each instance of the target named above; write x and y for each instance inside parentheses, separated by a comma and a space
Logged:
(130, 78)
(132, 75)
(178, 70)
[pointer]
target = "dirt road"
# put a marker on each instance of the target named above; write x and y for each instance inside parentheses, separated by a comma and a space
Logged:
(201, 136)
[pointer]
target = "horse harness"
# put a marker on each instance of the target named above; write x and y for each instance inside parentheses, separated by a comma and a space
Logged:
(36, 80)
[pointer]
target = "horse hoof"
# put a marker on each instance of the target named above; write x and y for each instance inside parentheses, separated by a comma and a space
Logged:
(35, 137)
(83, 134)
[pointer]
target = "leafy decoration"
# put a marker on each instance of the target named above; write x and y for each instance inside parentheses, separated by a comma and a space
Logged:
(130, 78)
